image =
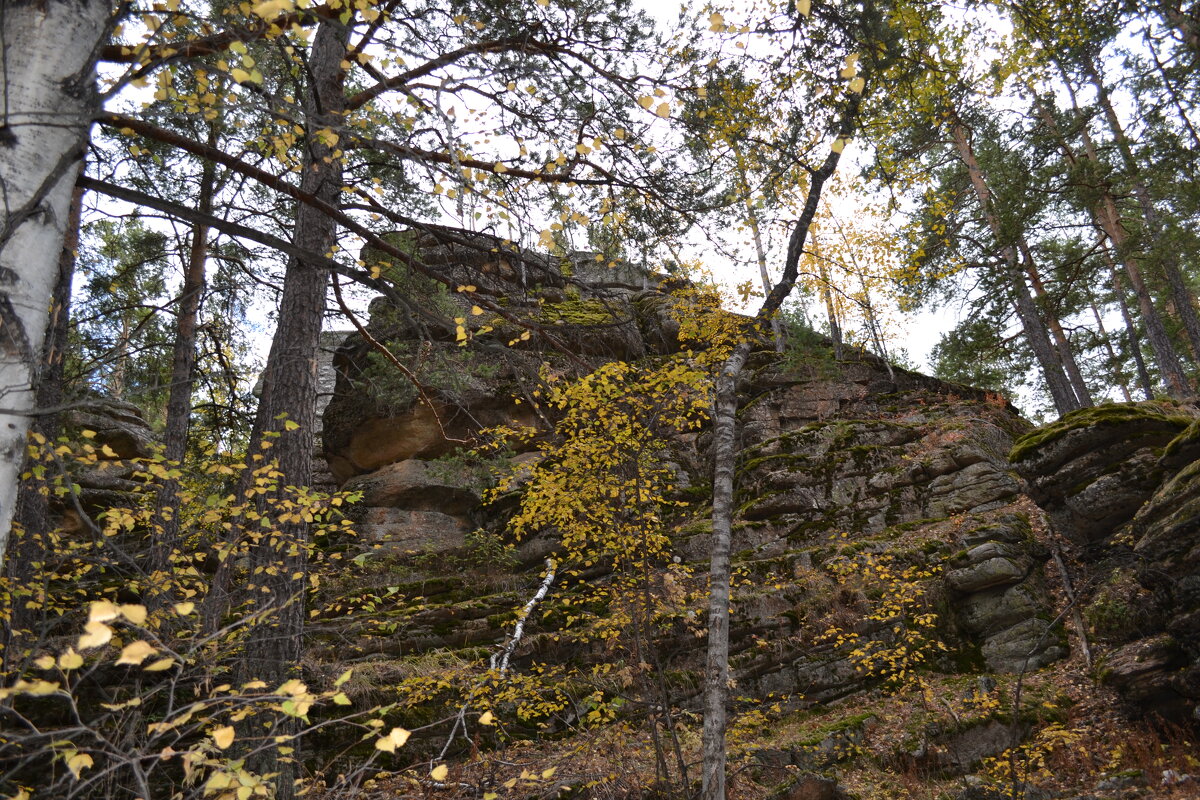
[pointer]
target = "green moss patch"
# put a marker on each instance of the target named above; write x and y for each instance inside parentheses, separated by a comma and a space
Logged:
(1106, 415)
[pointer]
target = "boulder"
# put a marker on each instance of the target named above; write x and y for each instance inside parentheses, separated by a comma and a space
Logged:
(421, 486)
(404, 530)
(1094, 468)
(117, 424)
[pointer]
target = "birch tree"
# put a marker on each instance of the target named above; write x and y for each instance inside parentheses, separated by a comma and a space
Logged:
(47, 100)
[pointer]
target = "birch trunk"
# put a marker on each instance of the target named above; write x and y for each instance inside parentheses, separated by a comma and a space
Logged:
(724, 450)
(47, 99)
(1035, 330)
(33, 508)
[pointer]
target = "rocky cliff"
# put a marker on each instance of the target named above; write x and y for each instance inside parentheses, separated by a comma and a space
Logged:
(929, 592)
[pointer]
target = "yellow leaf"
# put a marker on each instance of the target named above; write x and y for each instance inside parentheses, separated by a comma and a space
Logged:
(89, 434)
(440, 772)
(389, 743)
(663, 110)
(804, 7)
(218, 781)
(486, 718)
(716, 22)
(97, 634)
(857, 85)
(345, 676)
(223, 736)
(136, 652)
(103, 611)
(341, 699)
(70, 660)
(240, 75)
(183, 609)
(160, 665)
(543, 2)
(476, 310)
(78, 763)
(547, 774)
(38, 688)
(273, 8)
(646, 102)
(45, 662)
(135, 614)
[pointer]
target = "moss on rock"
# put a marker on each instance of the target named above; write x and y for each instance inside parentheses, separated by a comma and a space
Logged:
(1106, 415)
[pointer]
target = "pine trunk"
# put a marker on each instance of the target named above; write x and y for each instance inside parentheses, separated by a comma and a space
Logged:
(179, 400)
(1133, 340)
(1108, 219)
(286, 417)
(1166, 257)
(48, 97)
(1036, 335)
(1113, 359)
(1082, 392)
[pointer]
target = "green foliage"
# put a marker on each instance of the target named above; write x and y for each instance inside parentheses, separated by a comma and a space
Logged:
(448, 372)
(806, 351)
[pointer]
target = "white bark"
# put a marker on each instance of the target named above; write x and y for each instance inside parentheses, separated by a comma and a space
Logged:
(47, 100)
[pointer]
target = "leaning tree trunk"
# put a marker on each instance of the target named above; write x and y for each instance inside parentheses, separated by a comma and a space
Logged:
(47, 99)
(1166, 257)
(1107, 217)
(1070, 364)
(1035, 331)
(724, 450)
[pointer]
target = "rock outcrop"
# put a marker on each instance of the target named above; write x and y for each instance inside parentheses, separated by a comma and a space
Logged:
(1124, 481)
(836, 456)
(849, 469)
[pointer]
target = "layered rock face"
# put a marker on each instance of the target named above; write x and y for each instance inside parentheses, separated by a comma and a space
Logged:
(837, 458)
(1123, 482)
(848, 470)
(853, 458)
(587, 310)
